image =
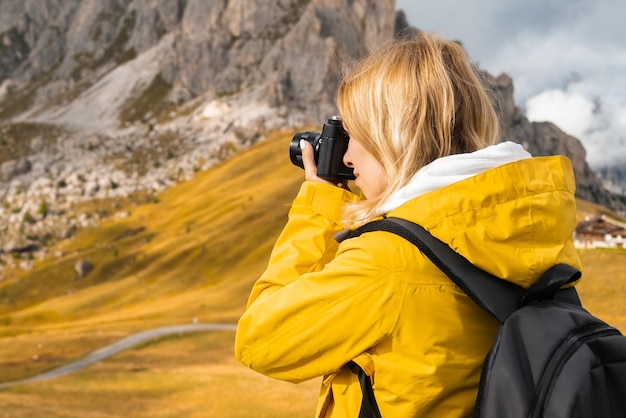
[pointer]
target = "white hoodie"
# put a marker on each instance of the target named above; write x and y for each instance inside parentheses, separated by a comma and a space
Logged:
(453, 168)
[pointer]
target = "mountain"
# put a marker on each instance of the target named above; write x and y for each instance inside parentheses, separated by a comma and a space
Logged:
(194, 252)
(545, 138)
(111, 99)
(614, 178)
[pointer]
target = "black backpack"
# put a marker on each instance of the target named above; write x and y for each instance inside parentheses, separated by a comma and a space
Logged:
(551, 357)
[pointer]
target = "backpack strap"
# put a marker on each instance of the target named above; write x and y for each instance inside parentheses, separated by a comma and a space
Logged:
(495, 296)
(550, 283)
(369, 407)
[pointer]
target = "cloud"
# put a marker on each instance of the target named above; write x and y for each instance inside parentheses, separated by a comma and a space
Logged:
(599, 122)
(567, 59)
(571, 111)
(540, 61)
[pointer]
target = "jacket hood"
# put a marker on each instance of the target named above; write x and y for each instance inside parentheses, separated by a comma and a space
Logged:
(454, 168)
(507, 213)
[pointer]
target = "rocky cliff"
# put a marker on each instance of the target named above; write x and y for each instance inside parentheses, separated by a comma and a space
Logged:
(106, 98)
(544, 138)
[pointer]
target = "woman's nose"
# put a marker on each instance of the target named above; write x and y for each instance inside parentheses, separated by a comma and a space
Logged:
(346, 158)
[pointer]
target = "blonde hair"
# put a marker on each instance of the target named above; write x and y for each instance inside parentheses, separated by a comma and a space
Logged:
(409, 103)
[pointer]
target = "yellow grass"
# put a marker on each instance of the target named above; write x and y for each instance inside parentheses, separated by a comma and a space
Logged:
(192, 375)
(603, 288)
(193, 255)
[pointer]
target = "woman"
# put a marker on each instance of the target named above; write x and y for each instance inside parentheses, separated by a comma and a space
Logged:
(422, 133)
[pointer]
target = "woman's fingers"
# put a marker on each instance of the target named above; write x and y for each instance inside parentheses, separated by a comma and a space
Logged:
(310, 167)
(308, 160)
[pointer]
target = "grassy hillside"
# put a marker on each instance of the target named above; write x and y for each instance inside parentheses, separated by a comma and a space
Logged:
(191, 254)
(210, 234)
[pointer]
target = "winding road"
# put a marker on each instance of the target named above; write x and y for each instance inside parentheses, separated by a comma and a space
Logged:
(115, 348)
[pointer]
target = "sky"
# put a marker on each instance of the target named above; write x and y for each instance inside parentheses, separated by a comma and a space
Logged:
(567, 59)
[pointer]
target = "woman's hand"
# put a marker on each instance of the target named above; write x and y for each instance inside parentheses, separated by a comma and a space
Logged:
(310, 168)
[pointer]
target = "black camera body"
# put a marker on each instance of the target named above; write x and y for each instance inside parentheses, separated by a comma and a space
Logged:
(329, 147)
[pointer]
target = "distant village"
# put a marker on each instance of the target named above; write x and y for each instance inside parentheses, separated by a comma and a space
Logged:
(600, 232)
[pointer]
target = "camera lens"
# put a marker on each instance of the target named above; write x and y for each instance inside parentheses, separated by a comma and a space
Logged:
(329, 147)
(295, 152)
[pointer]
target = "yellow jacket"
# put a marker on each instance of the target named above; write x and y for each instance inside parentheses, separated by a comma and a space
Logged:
(376, 299)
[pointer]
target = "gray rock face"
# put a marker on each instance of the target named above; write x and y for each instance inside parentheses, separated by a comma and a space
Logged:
(12, 168)
(286, 52)
(544, 138)
(104, 98)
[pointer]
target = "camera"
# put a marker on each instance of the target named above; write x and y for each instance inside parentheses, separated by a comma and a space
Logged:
(329, 146)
